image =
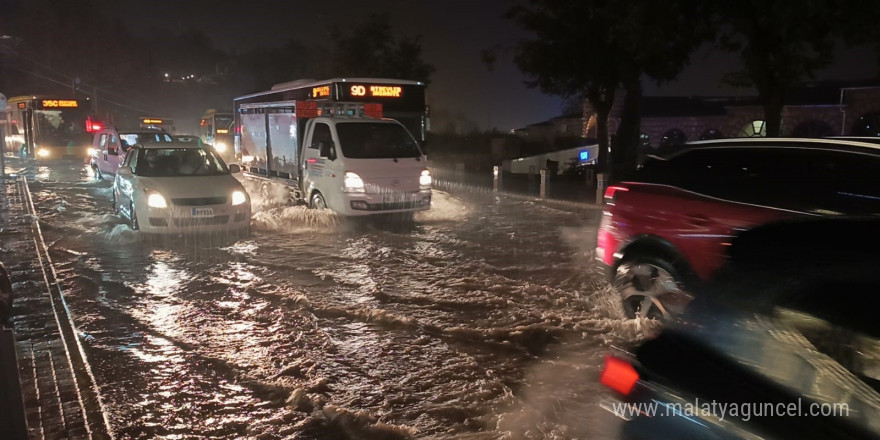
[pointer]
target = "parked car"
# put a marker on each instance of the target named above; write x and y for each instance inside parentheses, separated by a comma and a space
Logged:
(174, 187)
(783, 343)
(110, 146)
(665, 232)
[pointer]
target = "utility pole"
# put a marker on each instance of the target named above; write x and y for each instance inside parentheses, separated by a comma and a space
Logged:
(2, 135)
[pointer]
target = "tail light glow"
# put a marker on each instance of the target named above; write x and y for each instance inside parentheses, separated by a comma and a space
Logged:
(619, 375)
(611, 190)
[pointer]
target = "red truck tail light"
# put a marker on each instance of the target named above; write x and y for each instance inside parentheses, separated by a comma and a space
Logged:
(619, 375)
(612, 190)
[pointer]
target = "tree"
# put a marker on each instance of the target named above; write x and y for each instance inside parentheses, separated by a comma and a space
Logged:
(781, 44)
(372, 50)
(590, 48)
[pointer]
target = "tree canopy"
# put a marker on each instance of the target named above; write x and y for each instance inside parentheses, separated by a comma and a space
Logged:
(591, 48)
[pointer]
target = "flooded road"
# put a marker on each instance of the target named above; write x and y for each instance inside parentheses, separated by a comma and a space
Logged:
(484, 319)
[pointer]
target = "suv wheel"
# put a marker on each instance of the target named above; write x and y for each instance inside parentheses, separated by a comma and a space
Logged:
(650, 288)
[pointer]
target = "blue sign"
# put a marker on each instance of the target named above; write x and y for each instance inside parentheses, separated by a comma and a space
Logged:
(585, 155)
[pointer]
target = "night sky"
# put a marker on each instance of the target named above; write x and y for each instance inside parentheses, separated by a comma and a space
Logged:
(454, 32)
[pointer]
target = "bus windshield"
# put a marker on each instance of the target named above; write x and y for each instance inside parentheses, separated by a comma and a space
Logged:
(375, 140)
(222, 122)
(61, 127)
(179, 162)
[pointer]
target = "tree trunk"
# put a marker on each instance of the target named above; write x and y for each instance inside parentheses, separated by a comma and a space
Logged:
(774, 101)
(602, 99)
(624, 152)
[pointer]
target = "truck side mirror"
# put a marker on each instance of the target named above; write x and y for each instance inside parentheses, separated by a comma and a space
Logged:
(328, 150)
(234, 169)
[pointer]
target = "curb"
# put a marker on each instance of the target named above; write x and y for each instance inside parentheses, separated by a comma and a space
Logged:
(59, 390)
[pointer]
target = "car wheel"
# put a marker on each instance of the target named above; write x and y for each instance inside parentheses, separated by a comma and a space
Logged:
(134, 217)
(318, 201)
(99, 176)
(650, 288)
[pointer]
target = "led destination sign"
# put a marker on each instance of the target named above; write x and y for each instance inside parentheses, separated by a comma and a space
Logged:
(377, 91)
(59, 103)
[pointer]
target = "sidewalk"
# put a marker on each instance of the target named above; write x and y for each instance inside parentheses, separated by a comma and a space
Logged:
(58, 390)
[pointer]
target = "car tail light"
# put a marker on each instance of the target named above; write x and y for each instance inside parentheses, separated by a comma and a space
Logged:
(619, 375)
(612, 190)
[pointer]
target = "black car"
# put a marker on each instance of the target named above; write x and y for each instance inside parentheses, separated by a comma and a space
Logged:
(786, 346)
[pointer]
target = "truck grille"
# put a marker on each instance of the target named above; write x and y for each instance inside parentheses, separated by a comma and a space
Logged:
(200, 201)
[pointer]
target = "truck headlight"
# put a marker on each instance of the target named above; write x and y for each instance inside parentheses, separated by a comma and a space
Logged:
(425, 180)
(238, 197)
(92, 151)
(43, 152)
(220, 147)
(156, 200)
(352, 183)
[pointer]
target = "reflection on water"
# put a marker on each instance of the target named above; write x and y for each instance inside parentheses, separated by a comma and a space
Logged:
(325, 328)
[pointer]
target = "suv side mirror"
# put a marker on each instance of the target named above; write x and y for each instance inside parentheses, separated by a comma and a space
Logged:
(328, 150)
(234, 168)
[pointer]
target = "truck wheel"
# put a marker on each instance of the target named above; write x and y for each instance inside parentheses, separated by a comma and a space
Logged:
(134, 217)
(318, 201)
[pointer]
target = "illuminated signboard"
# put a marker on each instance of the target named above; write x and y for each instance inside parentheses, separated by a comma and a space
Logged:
(376, 91)
(320, 92)
(59, 103)
(584, 155)
(152, 121)
(222, 131)
(22, 105)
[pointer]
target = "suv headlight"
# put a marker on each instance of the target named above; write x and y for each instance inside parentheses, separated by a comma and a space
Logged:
(156, 200)
(425, 180)
(352, 183)
(238, 197)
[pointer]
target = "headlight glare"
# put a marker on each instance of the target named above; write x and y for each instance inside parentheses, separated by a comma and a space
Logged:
(92, 151)
(238, 197)
(353, 183)
(220, 147)
(155, 200)
(425, 179)
(42, 152)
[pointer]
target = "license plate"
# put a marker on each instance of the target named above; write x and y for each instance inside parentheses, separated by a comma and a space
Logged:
(203, 212)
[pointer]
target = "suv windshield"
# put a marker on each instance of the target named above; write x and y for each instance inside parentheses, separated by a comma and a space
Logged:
(179, 162)
(360, 140)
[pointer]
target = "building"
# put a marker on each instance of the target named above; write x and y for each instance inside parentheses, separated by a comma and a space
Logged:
(816, 110)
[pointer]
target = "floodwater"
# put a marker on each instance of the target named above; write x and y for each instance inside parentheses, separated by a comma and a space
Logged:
(483, 319)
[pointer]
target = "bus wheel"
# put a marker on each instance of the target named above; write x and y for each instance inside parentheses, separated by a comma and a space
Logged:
(318, 201)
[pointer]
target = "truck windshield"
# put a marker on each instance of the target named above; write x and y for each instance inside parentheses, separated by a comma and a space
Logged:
(179, 162)
(365, 140)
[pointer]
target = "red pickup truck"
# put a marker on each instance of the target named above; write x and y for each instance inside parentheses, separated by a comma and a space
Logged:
(666, 232)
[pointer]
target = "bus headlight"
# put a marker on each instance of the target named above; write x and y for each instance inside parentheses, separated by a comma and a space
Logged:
(238, 197)
(352, 183)
(156, 200)
(43, 152)
(220, 147)
(425, 180)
